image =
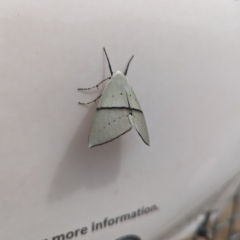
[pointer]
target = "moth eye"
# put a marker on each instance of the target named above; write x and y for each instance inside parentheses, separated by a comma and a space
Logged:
(114, 120)
(113, 96)
(130, 95)
(121, 93)
(119, 118)
(108, 123)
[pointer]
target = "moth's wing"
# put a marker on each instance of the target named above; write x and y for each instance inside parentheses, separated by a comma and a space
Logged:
(138, 116)
(111, 117)
(107, 125)
(114, 94)
(141, 126)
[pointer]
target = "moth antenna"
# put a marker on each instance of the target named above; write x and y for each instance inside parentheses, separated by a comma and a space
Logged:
(110, 68)
(125, 73)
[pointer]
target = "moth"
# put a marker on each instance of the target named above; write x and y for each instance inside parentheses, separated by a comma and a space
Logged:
(118, 110)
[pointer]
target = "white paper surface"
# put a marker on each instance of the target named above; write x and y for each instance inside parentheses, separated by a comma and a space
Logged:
(186, 76)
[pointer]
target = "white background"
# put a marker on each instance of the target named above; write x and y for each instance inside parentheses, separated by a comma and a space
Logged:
(186, 75)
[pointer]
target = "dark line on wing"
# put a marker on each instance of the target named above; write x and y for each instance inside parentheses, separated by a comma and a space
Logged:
(142, 137)
(111, 139)
(109, 108)
(130, 109)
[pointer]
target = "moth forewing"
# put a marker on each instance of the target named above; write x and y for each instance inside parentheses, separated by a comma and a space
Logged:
(138, 116)
(107, 126)
(114, 94)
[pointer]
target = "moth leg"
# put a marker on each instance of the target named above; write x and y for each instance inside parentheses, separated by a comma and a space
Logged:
(82, 103)
(96, 86)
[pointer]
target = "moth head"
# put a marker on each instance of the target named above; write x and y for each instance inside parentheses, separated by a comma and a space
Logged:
(118, 73)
